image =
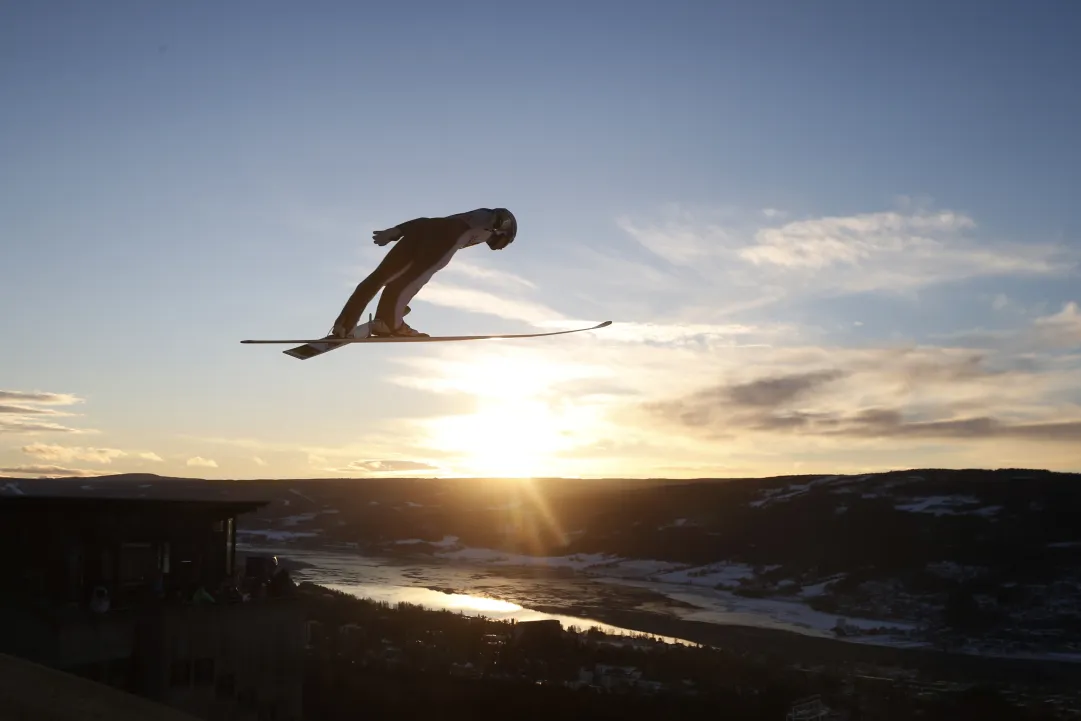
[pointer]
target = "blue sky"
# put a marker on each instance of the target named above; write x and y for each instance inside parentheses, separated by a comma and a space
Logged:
(834, 236)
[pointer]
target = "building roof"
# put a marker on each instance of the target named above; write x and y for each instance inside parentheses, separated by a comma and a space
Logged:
(128, 503)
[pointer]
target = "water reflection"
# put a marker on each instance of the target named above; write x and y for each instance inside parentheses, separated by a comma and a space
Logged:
(469, 605)
(391, 581)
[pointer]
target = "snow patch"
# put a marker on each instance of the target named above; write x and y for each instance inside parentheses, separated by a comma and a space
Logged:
(816, 589)
(445, 542)
(13, 489)
(725, 607)
(297, 519)
(304, 517)
(954, 570)
(295, 492)
(711, 576)
(787, 493)
(276, 536)
(578, 561)
(639, 568)
(946, 506)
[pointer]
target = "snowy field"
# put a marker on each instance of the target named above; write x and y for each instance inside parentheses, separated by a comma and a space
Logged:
(698, 587)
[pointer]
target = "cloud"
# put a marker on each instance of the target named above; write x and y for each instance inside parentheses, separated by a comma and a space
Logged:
(821, 242)
(201, 462)
(21, 426)
(49, 452)
(68, 453)
(888, 251)
(258, 461)
(672, 333)
(21, 412)
(29, 410)
(885, 394)
(681, 239)
(47, 472)
(388, 439)
(491, 275)
(775, 391)
(61, 399)
(1063, 329)
(390, 466)
(891, 423)
(1056, 332)
(479, 301)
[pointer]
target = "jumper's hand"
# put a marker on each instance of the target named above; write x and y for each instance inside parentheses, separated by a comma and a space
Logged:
(383, 237)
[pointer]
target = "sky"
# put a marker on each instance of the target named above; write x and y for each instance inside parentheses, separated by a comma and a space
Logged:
(833, 237)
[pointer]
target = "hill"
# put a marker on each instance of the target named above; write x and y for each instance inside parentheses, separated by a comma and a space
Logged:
(954, 553)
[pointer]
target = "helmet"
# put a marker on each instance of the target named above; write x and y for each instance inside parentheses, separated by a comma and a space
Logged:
(504, 229)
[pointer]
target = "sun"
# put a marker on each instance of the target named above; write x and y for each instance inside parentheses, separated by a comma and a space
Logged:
(525, 417)
(513, 439)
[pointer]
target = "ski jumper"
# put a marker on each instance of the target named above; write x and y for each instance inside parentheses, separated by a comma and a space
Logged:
(424, 246)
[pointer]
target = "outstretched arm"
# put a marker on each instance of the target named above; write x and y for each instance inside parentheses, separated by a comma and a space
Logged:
(399, 231)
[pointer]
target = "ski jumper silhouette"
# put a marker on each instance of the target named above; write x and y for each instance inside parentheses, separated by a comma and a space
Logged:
(424, 246)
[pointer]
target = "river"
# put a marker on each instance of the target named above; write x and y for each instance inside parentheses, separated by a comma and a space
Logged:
(472, 591)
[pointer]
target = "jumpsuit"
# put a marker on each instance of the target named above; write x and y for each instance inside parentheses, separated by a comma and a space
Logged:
(424, 246)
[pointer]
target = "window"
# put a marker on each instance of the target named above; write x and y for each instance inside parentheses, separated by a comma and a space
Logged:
(204, 671)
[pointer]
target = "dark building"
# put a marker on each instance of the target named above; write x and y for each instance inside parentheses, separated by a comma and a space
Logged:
(541, 636)
(145, 595)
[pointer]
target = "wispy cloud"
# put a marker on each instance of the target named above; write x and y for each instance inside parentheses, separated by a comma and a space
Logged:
(682, 237)
(390, 466)
(494, 276)
(60, 399)
(258, 461)
(14, 426)
(887, 251)
(1063, 329)
(50, 452)
(30, 411)
(23, 412)
(200, 462)
(479, 301)
(47, 472)
(885, 394)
